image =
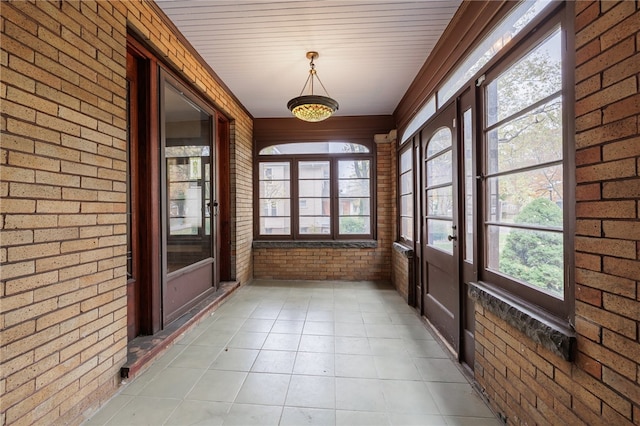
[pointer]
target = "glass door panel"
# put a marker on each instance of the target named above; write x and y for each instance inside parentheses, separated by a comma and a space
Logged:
(189, 202)
(188, 179)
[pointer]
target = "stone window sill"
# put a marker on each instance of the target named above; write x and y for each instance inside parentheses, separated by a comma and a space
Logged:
(403, 250)
(550, 332)
(356, 244)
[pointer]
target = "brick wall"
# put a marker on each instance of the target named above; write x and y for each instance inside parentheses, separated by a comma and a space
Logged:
(351, 264)
(62, 213)
(400, 273)
(523, 381)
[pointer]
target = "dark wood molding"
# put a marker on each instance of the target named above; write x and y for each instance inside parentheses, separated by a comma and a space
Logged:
(478, 18)
(360, 129)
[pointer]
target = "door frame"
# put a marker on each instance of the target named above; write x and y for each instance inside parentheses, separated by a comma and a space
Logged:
(148, 236)
(145, 208)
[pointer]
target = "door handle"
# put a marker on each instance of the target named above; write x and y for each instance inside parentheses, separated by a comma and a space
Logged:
(452, 237)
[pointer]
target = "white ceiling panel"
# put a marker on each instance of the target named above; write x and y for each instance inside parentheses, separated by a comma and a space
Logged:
(370, 51)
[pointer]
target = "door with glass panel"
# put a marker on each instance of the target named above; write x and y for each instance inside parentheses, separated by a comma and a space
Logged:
(189, 205)
(441, 295)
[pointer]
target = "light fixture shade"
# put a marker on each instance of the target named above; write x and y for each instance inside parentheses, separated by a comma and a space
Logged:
(312, 108)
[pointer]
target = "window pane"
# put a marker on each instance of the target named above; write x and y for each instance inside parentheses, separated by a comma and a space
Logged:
(275, 207)
(406, 228)
(354, 192)
(353, 169)
(420, 118)
(439, 142)
(533, 197)
(406, 205)
(315, 225)
(313, 188)
(405, 161)
(530, 139)
(275, 198)
(532, 257)
(275, 171)
(275, 189)
(406, 194)
(314, 202)
(533, 78)
(275, 225)
(467, 138)
(314, 206)
(439, 169)
(525, 201)
(406, 183)
(440, 201)
(355, 225)
(437, 233)
(354, 206)
(354, 188)
(313, 170)
(314, 148)
(187, 139)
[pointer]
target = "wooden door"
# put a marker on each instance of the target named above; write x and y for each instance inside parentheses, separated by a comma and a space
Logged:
(439, 245)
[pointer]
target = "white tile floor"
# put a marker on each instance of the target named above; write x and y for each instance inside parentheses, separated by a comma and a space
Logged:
(303, 353)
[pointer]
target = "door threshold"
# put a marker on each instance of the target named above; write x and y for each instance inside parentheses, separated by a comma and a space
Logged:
(143, 350)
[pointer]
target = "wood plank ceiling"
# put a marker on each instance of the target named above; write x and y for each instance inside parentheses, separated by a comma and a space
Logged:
(370, 50)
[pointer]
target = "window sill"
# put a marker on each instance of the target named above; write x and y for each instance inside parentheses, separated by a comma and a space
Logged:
(358, 244)
(548, 331)
(403, 250)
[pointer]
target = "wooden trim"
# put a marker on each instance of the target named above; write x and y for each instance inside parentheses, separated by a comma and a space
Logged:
(361, 129)
(149, 190)
(223, 189)
(477, 18)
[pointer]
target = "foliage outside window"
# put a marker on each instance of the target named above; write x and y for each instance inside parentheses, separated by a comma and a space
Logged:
(524, 170)
(315, 190)
(490, 46)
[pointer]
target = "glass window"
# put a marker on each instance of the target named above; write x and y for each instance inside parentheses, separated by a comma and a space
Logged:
(467, 140)
(421, 117)
(328, 183)
(524, 170)
(406, 195)
(314, 197)
(439, 190)
(275, 198)
(354, 197)
(490, 46)
(187, 151)
(314, 148)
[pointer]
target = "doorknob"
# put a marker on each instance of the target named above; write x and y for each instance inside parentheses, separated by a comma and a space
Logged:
(452, 237)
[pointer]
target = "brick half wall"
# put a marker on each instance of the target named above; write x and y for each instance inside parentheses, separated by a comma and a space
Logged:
(524, 382)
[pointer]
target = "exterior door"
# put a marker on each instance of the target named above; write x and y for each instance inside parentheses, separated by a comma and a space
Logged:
(189, 205)
(439, 245)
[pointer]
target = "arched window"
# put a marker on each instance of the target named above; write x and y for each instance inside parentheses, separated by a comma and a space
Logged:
(315, 191)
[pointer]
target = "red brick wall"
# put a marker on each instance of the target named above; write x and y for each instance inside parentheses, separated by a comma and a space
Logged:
(523, 381)
(351, 264)
(63, 188)
(400, 274)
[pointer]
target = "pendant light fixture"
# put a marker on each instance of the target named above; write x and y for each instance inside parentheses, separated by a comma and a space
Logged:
(312, 107)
